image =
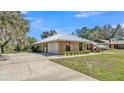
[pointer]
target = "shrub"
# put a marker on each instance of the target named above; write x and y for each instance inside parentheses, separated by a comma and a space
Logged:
(73, 53)
(68, 53)
(81, 52)
(61, 53)
(86, 51)
(78, 52)
(64, 53)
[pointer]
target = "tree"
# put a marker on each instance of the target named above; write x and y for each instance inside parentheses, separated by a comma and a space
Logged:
(29, 47)
(118, 32)
(106, 32)
(13, 28)
(31, 40)
(84, 32)
(94, 33)
(48, 33)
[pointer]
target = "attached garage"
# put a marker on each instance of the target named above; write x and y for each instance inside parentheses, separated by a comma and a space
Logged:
(53, 48)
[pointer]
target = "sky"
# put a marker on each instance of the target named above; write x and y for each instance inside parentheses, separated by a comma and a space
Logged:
(69, 21)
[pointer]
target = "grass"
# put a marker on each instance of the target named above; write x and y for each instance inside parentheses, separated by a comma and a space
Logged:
(101, 67)
(116, 50)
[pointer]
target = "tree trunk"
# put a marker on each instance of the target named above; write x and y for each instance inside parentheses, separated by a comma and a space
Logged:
(2, 47)
(0, 52)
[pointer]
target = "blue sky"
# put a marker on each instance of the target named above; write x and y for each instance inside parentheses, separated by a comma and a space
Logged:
(68, 21)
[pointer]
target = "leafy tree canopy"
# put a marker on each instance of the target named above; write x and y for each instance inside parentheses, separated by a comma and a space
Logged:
(106, 32)
(47, 33)
(31, 40)
(13, 28)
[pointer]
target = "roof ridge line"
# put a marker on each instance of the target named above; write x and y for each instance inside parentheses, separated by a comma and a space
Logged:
(60, 35)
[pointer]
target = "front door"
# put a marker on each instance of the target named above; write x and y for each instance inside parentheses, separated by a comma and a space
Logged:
(67, 47)
(80, 46)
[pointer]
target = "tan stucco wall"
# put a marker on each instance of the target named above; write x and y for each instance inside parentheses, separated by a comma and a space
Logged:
(74, 46)
(61, 47)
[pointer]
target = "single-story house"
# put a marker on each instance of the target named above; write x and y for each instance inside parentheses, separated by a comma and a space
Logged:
(58, 43)
(111, 44)
(102, 42)
(117, 44)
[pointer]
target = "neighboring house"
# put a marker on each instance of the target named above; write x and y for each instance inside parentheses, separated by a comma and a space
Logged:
(58, 43)
(117, 44)
(102, 42)
(111, 44)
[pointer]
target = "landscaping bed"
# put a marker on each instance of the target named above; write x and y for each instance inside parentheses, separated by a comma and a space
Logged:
(68, 53)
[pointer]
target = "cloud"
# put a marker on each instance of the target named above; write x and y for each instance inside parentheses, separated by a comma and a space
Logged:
(27, 17)
(122, 24)
(114, 26)
(24, 12)
(30, 18)
(39, 27)
(38, 24)
(87, 14)
(63, 29)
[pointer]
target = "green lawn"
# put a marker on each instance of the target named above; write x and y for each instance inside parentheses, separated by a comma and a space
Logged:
(101, 67)
(116, 50)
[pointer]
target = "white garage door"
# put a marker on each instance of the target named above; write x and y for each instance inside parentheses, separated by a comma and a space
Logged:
(53, 48)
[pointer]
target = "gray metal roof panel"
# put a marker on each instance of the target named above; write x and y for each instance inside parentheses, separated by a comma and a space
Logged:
(63, 37)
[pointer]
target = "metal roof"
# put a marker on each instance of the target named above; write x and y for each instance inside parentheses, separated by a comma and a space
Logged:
(103, 41)
(98, 45)
(67, 37)
(63, 37)
(117, 42)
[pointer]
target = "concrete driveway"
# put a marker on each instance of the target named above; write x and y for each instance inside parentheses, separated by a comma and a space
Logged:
(31, 66)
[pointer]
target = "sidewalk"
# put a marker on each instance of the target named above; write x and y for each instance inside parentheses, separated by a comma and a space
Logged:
(63, 56)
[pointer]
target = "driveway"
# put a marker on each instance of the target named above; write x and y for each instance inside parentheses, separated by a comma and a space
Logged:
(33, 67)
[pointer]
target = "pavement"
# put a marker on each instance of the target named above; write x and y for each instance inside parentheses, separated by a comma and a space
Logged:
(50, 56)
(37, 67)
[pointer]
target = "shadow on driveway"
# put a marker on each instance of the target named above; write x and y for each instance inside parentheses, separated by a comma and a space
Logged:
(47, 54)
